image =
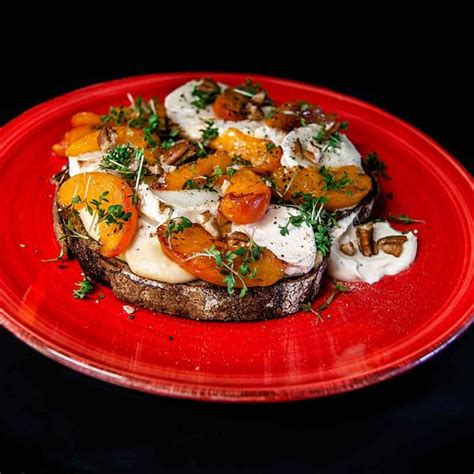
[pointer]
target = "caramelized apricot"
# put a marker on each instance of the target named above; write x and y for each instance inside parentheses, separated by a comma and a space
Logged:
(350, 185)
(197, 171)
(84, 144)
(246, 199)
(294, 114)
(86, 118)
(71, 136)
(185, 248)
(231, 105)
(358, 187)
(262, 154)
(118, 226)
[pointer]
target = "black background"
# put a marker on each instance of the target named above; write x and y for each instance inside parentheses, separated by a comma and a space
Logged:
(55, 420)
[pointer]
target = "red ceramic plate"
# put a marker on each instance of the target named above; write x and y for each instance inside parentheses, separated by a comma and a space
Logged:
(368, 335)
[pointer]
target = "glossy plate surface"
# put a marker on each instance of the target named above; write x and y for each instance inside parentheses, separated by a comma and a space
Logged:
(367, 335)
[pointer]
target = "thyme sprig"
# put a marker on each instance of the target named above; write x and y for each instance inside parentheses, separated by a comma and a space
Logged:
(141, 114)
(338, 288)
(311, 212)
(404, 219)
(205, 96)
(85, 287)
(208, 181)
(128, 162)
(176, 225)
(330, 181)
(113, 215)
(226, 261)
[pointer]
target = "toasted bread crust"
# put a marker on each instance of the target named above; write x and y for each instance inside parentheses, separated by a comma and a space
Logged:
(197, 299)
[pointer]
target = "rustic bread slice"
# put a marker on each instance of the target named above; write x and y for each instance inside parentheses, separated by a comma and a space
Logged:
(198, 299)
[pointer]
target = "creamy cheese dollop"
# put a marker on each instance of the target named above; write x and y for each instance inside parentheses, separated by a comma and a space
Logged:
(297, 249)
(145, 257)
(192, 120)
(369, 269)
(343, 155)
(85, 163)
(180, 109)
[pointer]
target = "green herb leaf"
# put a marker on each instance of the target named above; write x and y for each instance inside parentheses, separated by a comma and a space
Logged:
(311, 212)
(206, 93)
(210, 132)
(331, 182)
(85, 287)
(404, 219)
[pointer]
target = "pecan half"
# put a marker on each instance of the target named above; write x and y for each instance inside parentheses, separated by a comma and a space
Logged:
(365, 233)
(347, 248)
(298, 148)
(259, 98)
(106, 138)
(254, 112)
(237, 238)
(208, 86)
(393, 245)
(180, 151)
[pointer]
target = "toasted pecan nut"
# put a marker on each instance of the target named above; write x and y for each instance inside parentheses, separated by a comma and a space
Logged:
(254, 112)
(365, 233)
(180, 151)
(208, 85)
(347, 248)
(237, 238)
(259, 98)
(393, 245)
(106, 138)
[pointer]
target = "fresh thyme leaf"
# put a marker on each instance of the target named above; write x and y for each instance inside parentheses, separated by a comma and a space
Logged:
(116, 115)
(330, 181)
(343, 125)
(140, 114)
(334, 142)
(321, 135)
(210, 132)
(177, 225)
(119, 159)
(404, 219)
(190, 183)
(205, 93)
(115, 215)
(227, 262)
(127, 161)
(311, 212)
(85, 287)
(338, 288)
(168, 143)
(331, 142)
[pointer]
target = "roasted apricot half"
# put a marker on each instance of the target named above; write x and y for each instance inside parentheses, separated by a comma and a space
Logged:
(197, 252)
(109, 200)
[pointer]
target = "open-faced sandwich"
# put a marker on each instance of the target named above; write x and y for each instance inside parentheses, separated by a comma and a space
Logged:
(219, 204)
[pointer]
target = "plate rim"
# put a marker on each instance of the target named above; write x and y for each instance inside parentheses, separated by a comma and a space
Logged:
(197, 390)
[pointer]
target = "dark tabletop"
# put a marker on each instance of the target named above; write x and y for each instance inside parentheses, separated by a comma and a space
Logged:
(53, 419)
